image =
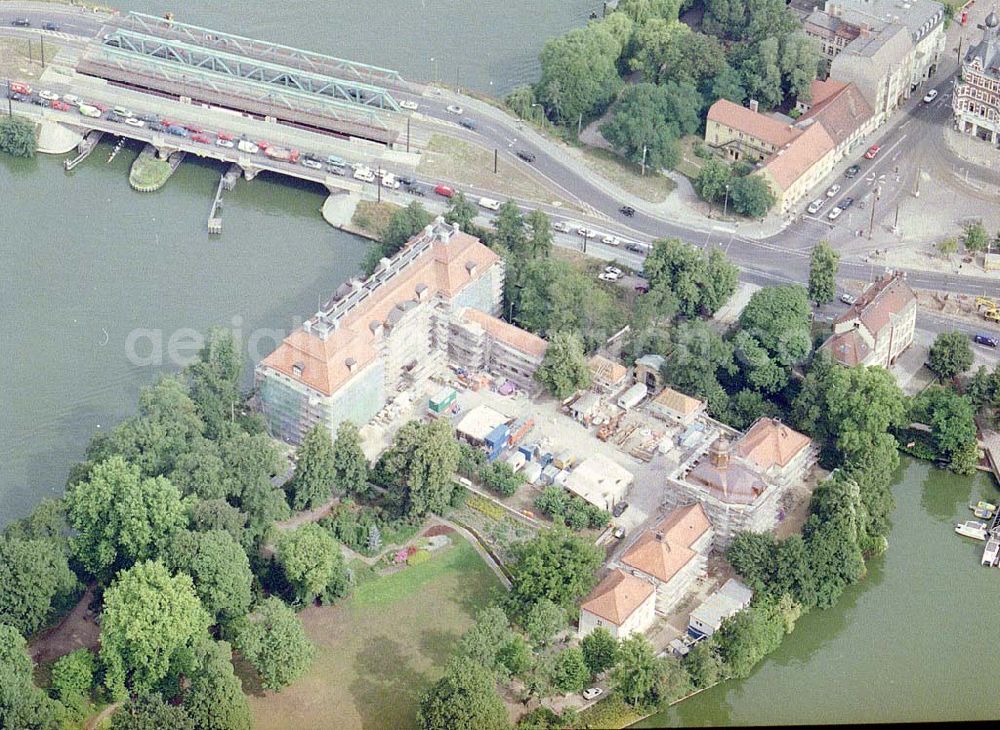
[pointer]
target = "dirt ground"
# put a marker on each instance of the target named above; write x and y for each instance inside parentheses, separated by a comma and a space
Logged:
(651, 187)
(78, 629)
(15, 62)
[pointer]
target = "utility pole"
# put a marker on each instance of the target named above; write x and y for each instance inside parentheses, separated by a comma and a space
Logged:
(10, 105)
(378, 187)
(496, 154)
(579, 124)
(725, 208)
(586, 235)
(916, 185)
(41, 43)
(407, 134)
(871, 223)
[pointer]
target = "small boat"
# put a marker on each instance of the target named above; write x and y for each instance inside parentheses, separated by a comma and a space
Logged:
(972, 528)
(983, 510)
(991, 555)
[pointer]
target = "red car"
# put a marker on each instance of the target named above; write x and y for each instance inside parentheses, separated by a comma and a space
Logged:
(200, 138)
(224, 135)
(872, 152)
(60, 106)
(101, 107)
(166, 123)
(444, 191)
(192, 129)
(263, 145)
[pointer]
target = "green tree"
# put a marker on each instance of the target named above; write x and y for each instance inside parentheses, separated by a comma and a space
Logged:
(649, 119)
(521, 102)
(569, 670)
(713, 178)
(749, 636)
(465, 698)
(671, 51)
(36, 582)
(215, 699)
(703, 665)
(753, 557)
(249, 461)
(488, 642)
(150, 620)
(501, 478)
(746, 406)
(564, 369)
(419, 467)
(218, 514)
(404, 224)
(47, 521)
(701, 282)
(150, 712)
(315, 474)
(981, 388)
(799, 60)
(832, 538)
(461, 210)
(313, 564)
(219, 567)
(214, 380)
(636, 672)
(22, 704)
(950, 355)
(728, 84)
(579, 74)
(121, 518)
(349, 461)
(774, 335)
(696, 357)
(600, 649)
(200, 471)
(543, 621)
(540, 236)
(975, 238)
(508, 229)
(516, 656)
(273, 641)
(750, 196)
(556, 565)
(17, 136)
(948, 246)
(762, 74)
(73, 677)
(823, 265)
(953, 426)
(646, 11)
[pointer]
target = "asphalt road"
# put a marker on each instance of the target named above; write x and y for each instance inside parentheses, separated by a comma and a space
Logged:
(783, 257)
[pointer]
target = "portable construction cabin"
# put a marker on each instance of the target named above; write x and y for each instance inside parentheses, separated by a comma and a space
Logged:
(441, 402)
(532, 472)
(732, 598)
(496, 441)
(633, 396)
(516, 460)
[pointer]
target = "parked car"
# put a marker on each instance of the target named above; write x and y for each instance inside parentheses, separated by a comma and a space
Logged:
(562, 226)
(612, 240)
(49, 25)
(627, 210)
(592, 693)
(336, 170)
(607, 276)
(245, 145)
(988, 340)
(587, 232)
(846, 203)
(872, 152)
(835, 213)
(930, 96)
(618, 533)
(90, 111)
(619, 509)
(852, 171)
(133, 122)
(201, 138)
(816, 205)
(444, 191)
(411, 105)
(60, 106)
(312, 164)
(418, 192)
(525, 155)
(847, 298)
(405, 180)
(455, 109)
(832, 190)
(613, 270)
(223, 142)
(150, 118)
(48, 95)
(468, 123)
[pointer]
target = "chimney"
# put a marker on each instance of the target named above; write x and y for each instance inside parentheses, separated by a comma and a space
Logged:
(471, 267)
(754, 106)
(351, 364)
(421, 292)
(659, 536)
(376, 327)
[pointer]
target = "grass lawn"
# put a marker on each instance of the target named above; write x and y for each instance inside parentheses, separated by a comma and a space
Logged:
(627, 175)
(17, 64)
(379, 650)
(464, 163)
(149, 171)
(372, 216)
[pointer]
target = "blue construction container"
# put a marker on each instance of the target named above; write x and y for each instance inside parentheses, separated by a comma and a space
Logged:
(496, 441)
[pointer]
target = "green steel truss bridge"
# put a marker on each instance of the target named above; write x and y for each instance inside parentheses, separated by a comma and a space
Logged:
(248, 75)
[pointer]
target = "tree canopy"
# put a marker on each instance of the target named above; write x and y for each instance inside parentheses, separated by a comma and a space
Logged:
(564, 369)
(701, 281)
(150, 621)
(22, 704)
(219, 568)
(556, 565)
(273, 641)
(823, 264)
(313, 564)
(17, 136)
(350, 466)
(313, 482)
(465, 698)
(35, 583)
(950, 355)
(419, 467)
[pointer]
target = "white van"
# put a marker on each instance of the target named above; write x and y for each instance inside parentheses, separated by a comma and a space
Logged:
(245, 145)
(364, 174)
(389, 181)
(489, 204)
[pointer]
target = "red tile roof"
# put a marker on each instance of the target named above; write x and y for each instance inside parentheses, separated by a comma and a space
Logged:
(617, 597)
(753, 123)
(769, 443)
(841, 110)
(789, 164)
(662, 551)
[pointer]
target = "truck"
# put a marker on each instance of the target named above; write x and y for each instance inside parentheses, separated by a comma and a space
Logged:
(364, 174)
(281, 154)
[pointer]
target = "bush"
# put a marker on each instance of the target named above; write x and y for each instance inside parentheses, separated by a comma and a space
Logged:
(569, 510)
(501, 478)
(611, 712)
(488, 508)
(421, 556)
(702, 151)
(17, 136)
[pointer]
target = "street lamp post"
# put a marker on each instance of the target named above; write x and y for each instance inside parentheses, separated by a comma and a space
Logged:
(725, 207)
(871, 223)
(644, 160)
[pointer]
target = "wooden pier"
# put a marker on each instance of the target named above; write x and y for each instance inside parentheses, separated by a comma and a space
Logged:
(86, 146)
(226, 182)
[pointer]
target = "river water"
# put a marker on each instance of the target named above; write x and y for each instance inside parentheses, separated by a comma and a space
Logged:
(85, 262)
(912, 642)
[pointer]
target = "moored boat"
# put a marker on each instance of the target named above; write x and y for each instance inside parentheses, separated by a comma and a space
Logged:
(972, 528)
(991, 554)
